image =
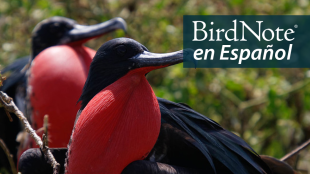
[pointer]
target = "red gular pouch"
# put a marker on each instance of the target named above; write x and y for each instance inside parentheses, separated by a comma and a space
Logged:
(59, 70)
(118, 126)
(56, 80)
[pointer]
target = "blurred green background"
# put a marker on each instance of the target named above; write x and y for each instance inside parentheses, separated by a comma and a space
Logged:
(268, 108)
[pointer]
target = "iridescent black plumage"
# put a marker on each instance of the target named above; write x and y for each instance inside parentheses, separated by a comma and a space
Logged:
(222, 150)
(187, 139)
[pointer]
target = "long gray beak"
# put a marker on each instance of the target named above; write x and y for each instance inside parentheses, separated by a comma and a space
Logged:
(147, 59)
(81, 32)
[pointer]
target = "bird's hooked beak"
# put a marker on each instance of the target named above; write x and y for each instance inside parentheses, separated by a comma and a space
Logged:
(159, 60)
(83, 32)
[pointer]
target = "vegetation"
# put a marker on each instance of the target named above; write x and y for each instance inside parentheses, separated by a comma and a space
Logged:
(269, 108)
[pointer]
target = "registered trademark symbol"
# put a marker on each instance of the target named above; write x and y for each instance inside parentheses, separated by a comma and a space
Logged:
(296, 26)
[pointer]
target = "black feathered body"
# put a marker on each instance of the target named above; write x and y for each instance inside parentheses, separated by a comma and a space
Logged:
(190, 139)
(187, 139)
(15, 87)
(192, 143)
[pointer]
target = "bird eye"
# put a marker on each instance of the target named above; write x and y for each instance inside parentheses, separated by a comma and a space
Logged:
(121, 50)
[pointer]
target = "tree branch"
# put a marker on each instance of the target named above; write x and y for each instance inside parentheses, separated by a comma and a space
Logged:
(10, 158)
(10, 106)
(45, 126)
(296, 151)
(254, 102)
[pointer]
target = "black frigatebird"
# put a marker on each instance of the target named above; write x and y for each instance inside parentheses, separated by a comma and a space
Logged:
(118, 124)
(48, 33)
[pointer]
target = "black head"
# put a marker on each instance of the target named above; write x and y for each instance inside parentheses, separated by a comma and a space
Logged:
(60, 30)
(116, 58)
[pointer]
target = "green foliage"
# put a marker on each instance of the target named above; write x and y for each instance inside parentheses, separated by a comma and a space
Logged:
(274, 125)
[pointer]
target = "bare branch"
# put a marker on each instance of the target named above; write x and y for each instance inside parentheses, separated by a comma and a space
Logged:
(10, 158)
(10, 106)
(230, 95)
(44, 139)
(254, 102)
(45, 126)
(296, 151)
(2, 103)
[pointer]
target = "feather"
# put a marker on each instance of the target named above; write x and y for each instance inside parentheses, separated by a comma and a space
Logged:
(16, 75)
(212, 140)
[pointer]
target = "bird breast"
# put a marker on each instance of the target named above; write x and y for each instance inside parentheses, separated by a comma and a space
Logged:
(118, 126)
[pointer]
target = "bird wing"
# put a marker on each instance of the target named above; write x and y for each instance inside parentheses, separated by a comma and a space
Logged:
(16, 75)
(212, 140)
(8, 129)
(17, 65)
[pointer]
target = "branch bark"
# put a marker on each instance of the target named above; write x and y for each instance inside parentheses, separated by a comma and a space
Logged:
(10, 106)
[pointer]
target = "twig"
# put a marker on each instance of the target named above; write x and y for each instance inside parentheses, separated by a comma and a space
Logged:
(258, 101)
(45, 126)
(44, 139)
(7, 100)
(253, 102)
(10, 158)
(296, 151)
(230, 95)
(10, 106)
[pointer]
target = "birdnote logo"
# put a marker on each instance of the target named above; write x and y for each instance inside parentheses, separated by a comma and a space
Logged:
(247, 41)
(242, 54)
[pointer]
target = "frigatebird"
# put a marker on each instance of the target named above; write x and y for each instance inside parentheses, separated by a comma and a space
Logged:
(62, 71)
(119, 122)
(51, 32)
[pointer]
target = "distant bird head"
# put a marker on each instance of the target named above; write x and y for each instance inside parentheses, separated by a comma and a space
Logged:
(60, 30)
(116, 58)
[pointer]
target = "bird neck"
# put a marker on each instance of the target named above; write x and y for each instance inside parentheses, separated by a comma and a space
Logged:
(37, 48)
(118, 126)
